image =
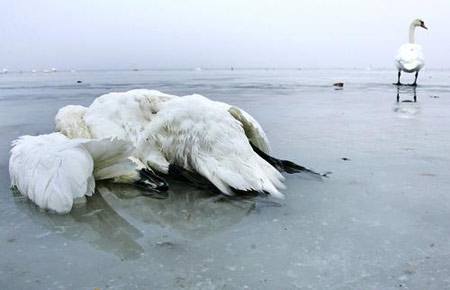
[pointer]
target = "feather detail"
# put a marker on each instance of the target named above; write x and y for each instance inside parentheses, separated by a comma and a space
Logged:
(197, 134)
(53, 170)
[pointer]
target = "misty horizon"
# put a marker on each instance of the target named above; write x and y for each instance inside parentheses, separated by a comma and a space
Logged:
(189, 34)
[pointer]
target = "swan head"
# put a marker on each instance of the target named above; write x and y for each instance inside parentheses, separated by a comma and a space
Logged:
(419, 23)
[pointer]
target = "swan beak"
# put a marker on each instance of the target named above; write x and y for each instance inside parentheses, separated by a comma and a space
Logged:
(424, 27)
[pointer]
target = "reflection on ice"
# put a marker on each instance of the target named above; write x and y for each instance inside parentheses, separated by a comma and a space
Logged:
(407, 106)
(94, 222)
(414, 93)
(117, 216)
(189, 211)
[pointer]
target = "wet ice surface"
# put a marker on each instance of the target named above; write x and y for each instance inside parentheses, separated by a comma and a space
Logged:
(380, 221)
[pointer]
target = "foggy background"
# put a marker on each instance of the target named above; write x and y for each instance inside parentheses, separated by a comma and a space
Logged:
(155, 34)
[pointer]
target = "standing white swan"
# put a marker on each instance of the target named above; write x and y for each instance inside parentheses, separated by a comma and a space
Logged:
(222, 143)
(410, 57)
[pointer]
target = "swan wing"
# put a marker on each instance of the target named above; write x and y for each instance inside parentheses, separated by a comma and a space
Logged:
(252, 129)
(199, 135)
(51, 170)
(112, 159)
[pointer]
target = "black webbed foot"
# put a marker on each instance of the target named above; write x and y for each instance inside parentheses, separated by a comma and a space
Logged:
(151, 182)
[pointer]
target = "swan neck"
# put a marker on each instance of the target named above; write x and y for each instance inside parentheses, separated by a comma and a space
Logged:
(412, 32)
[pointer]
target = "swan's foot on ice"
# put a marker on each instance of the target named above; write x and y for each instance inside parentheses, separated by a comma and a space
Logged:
(151, 182)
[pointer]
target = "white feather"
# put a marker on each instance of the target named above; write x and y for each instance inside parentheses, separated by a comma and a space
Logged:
(124, 115)
(70, 121)
(198, 135)
(410, 58)
(211, 138)
(53, 170)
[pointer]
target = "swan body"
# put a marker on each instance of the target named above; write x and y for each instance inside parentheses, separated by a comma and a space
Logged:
(197, 134)
(53, 170)
(410, 58)
(124, 115)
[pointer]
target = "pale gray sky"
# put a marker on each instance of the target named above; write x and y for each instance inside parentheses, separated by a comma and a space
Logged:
(186, 33)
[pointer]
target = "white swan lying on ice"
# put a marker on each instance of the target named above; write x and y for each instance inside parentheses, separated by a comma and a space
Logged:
(224, 144)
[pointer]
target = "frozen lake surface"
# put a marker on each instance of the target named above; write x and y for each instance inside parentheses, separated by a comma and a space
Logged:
(380, 221)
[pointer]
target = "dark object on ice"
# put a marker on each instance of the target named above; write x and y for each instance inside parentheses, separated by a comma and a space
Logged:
(434, 97)
(346, 159)
(284, 165)
(151, 182)
(79, 82)
(196, 179)
(338, 85)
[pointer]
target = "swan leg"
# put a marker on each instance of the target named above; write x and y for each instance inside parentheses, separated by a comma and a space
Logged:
(398, 83)
(150, 181)
(415, 79)
(132, 171)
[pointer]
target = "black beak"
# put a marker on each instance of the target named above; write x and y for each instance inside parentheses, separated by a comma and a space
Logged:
(424, 27)
(151, 182)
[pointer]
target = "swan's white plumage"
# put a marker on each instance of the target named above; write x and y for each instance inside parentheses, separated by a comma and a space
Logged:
(70, 121)
(124, 115)
(410, 58)
(252, 129)
(53, 170)
(199, 135)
